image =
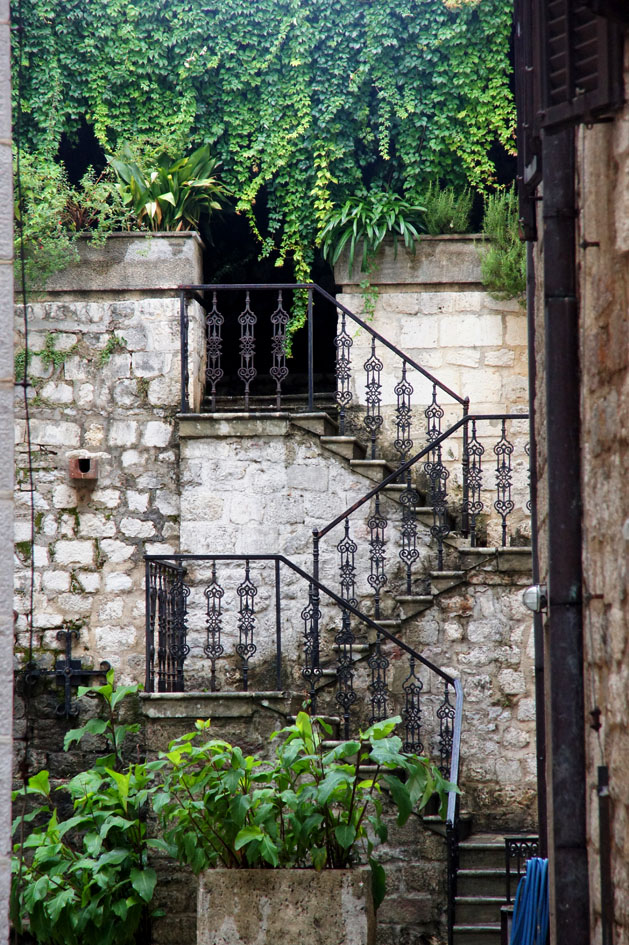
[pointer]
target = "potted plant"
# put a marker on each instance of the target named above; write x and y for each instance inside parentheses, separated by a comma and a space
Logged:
(270, 838)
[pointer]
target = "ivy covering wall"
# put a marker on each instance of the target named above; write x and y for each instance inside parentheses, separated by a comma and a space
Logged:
(303, 101)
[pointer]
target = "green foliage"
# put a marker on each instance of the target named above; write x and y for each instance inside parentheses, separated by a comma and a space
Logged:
(115, 343)
(365, 220)
(21, 361)
(85, 878)
(503, 263)
(303, 103)
(446, 209)
(52, 214)
(174, 194)
(311, 807)
(49, 355)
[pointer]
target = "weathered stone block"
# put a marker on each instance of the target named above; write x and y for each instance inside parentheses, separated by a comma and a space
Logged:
(264, 907)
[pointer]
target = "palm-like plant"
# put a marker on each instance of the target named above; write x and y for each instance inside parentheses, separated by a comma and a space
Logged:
(174, 195)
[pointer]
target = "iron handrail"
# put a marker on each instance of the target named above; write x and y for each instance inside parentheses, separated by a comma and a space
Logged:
(346, 605)
(179, 561)
(193, 290)
(320, 533)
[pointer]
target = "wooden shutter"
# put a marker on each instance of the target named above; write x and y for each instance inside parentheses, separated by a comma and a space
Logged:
(527, 94)
(581, 63)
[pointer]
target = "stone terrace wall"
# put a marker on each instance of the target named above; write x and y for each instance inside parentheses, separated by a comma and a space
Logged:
(105, 386)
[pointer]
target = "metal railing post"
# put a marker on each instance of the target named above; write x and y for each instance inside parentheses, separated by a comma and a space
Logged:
(278, 627)
(310, 352)
(183, 338)
(465, 518)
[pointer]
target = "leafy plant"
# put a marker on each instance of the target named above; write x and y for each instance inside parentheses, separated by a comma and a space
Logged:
(114, 343)
(364, 221)
(312, 806)
(85, 878)
(503, 262)
(21, 361)
(446, 209)
(302, 103)
(175, 194)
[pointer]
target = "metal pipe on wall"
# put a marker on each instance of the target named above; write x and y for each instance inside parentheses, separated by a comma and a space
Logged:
(563, 656)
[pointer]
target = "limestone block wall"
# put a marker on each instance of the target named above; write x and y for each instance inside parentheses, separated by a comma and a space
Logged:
(104, 385)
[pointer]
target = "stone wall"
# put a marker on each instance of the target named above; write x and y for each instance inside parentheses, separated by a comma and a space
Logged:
(104, 386)
(6, 465)
(603, 163)
(602, 159)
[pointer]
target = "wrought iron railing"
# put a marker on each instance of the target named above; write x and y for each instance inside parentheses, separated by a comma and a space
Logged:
(399, 555)
(517, 851)
(351, 395)
(210, 619)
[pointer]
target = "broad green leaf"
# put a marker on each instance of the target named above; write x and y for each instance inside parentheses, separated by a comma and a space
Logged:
(345, 835)
(39, 784)
(246, 835)
(143, 881)
(378, 882)
(401, 798)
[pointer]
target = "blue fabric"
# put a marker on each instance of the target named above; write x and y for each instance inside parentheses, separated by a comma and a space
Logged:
(530, 924)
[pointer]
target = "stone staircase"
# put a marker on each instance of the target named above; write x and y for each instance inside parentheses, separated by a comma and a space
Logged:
(481, 880)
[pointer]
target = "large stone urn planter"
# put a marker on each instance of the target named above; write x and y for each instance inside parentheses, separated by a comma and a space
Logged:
(285, 907)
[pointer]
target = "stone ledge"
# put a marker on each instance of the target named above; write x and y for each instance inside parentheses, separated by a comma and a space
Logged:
(193, 426)
(197, 705)
(131, 262)
(439, 260)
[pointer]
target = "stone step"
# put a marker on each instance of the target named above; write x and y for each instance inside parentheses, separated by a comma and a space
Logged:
(413, 604)
(507, 559)
(346, 446)
(476, 934)
(486, 883)
(482, 853)
(320, 423)
(478, 910)
(444, 580)
(375, 469)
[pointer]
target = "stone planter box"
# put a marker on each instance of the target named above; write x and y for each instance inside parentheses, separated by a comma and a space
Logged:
(132, 261)
(438, 260)
(285, 907)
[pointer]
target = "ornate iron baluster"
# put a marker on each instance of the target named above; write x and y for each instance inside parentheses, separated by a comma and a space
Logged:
(527, 450)
(345, 639)
(246, 372)
(503, 504)
(474, 459)
(408, 552)
(445, 714)
(403, 390)
(151, 599)
(178, 646)
(412, 714)
(162, 632)
(312, 669)
(373, 395)
(213, 325)
(347, 569)
(245, 648)
(438, 476)
(343, 344)
(279, 371)
(377, 578)
(345, 695)
(378, 664)
(213, 648)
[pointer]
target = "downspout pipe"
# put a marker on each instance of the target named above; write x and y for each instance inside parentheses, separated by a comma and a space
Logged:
(538, 619)
(563, 644)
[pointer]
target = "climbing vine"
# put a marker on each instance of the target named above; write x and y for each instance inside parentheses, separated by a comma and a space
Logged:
(303, 103)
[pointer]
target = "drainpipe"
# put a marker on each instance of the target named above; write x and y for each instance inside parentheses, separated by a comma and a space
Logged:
(538, 619)
(563, 645)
